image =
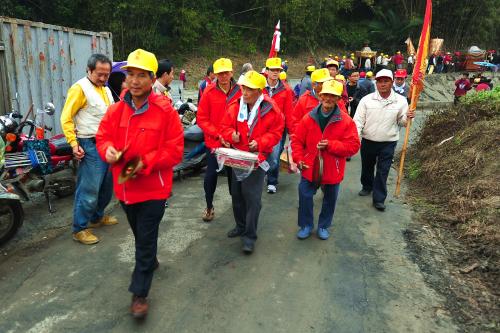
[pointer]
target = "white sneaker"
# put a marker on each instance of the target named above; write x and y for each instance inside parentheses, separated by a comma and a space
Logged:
(271, 189)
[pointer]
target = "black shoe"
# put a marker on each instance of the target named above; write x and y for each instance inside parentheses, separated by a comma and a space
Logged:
(379, 206)
(234, 233)
(348, 159)
(365, 192)
(248, 248)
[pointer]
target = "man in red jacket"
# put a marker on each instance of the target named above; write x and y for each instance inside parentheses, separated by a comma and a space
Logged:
(142, 127)
(462, 87)
(253, 123)
(211, 109)
(321, 143)
(333, 68)
(310, 99)
(283, 96)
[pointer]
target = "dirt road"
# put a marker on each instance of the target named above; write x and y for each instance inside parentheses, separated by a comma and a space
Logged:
(360, 280)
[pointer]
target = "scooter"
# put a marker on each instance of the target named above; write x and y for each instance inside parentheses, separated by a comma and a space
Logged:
(36, 164)
(11, 210)
(194, 146)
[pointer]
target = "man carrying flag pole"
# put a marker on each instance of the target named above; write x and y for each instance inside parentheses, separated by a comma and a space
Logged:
(417, 82)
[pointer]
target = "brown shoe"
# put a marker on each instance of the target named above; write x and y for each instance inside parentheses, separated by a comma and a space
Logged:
(85, 237)
(105, 220)
(139, 307)
(208, 214)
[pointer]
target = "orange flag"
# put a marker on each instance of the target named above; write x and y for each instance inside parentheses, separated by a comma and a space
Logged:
(417, 82)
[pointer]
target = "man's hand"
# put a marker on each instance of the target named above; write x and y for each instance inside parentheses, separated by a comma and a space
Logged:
(78, 152)
(236, 137)
(302, 165)
(224, 143)
(112, 155)
(350, 99)
(410, 114)
(253, 145)
(322, 144)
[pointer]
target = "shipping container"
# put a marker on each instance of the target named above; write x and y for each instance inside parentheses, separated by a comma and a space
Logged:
(39, 62)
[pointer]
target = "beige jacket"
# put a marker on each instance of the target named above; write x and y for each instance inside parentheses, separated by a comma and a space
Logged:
(379, 119)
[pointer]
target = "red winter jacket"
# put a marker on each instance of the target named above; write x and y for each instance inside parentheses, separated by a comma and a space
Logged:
(154, 133)
(266, 129)
(283, 96)
(306, 103)
(211, 110)
(343, 141)
(462, 86)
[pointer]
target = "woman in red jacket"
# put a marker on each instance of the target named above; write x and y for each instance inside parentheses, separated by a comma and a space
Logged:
(144, 127)
(326, 136)
(252, 123)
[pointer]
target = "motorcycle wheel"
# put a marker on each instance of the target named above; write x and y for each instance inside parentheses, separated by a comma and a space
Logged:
(11, 218)
(63, 187)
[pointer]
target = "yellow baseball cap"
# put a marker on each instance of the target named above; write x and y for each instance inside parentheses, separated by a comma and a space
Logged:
(142, 59)
(223, 65)
(320, 75)
(310, 68)
(253, 80)
(332, 87)
(340, 77)
(273, 63)
(283, 76)
(369, 74)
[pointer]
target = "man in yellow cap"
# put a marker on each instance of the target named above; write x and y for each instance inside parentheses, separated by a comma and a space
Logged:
(142, 138)
(283, 96)
(253, 123)
(322, 141)
(216, 98)
(310, 99)
(305, 83)
(333, 68)
(86, 103)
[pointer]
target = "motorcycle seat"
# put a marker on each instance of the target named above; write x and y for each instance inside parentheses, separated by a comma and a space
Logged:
(62, 147)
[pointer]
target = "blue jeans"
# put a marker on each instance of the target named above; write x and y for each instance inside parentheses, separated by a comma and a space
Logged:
(307, 190)
(94, 187)
(379, 154)
(274, 161)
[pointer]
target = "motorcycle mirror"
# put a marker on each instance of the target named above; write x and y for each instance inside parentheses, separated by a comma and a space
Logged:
(49, 109)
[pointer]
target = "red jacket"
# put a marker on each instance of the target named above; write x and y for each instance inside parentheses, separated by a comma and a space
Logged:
(155, 134)
(306, 103)
(211, 110)
(283, 96)
(343, 141)
(266, 129)
(462, 86)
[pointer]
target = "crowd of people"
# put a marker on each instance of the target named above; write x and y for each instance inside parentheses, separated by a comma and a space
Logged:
(131, 144)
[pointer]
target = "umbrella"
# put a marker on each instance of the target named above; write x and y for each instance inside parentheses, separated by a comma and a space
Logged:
(117, 67)
(484, 64)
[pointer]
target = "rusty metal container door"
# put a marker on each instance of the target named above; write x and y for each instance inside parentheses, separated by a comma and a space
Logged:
(41, 61)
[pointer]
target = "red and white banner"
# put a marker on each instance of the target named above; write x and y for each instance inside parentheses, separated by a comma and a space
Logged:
(275, 45)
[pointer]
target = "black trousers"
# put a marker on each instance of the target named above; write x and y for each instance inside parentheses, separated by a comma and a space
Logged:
(210, 181)
(379, 154)
(144, 219)
(246, 199)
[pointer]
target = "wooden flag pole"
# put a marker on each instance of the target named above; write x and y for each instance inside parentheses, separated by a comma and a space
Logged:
(405, 146)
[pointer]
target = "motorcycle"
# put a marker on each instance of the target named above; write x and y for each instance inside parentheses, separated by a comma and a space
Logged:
(194, 145)
(36, 164)
(11, 210)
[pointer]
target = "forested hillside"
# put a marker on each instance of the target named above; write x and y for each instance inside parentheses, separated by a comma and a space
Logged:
(211, 27)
